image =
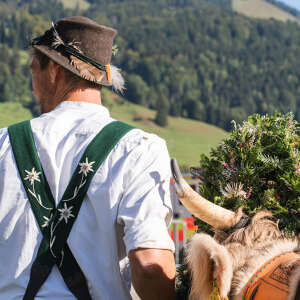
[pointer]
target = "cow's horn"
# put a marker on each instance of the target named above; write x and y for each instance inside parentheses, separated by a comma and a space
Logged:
(210, 213)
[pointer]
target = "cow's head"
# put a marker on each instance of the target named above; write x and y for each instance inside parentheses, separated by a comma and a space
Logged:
(212, 258)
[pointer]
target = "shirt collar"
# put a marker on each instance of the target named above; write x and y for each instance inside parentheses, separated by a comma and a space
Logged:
(86, 106)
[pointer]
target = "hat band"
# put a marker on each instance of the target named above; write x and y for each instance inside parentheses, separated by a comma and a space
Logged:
(71, 51)
(108, 73)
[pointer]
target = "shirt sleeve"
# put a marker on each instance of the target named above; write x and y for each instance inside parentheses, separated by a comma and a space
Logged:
(145, 210)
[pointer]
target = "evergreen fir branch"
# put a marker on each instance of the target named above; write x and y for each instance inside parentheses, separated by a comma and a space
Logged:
(270, 160)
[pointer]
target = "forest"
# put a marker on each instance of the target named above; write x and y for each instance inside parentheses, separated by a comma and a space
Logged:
(190, 58)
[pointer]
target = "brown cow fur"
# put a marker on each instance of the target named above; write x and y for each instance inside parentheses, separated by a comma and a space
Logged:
(210, 261)
(233, 259)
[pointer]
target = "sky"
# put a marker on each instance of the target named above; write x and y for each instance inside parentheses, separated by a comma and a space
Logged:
(292, 3)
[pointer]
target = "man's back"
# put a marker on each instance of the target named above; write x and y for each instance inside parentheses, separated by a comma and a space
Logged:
(124, 198)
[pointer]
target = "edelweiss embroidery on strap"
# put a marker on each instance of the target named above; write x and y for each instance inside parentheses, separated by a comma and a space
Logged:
(85, 168)
(47, 221)
(65, 211)
(32, 177)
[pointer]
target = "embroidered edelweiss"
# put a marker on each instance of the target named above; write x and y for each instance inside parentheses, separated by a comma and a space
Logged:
(65, 213)
(32, 176)
(86, 167)
(47, 221)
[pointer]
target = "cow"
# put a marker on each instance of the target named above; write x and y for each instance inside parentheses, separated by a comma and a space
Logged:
(248, 258)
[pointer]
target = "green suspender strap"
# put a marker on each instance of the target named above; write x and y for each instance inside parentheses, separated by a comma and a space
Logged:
(54, 222)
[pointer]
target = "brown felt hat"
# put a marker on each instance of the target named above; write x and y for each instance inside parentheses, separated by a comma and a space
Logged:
(81, 46)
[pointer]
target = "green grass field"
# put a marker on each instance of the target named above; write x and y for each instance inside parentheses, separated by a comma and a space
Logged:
(261, 9)
(12, 113)
(186, 139)
(73, 3)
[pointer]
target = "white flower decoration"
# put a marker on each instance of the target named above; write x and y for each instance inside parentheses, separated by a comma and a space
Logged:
(47, 221)
(234, 190)
(65, 213)
(32, 176)
(86, 167)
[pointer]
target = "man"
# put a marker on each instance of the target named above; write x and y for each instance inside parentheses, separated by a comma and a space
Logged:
(126, 209)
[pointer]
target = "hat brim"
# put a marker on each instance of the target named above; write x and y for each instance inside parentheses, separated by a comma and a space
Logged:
(66, 64)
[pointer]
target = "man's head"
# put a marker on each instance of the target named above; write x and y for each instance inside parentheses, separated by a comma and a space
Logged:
(77, 50)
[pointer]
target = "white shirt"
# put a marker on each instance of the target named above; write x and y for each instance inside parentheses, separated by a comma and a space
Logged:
(127, 205)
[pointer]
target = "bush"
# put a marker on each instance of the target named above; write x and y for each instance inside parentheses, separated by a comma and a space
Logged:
(257, 167)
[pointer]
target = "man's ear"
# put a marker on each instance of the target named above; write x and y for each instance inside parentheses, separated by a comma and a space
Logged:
(208, 261)
(55, 71)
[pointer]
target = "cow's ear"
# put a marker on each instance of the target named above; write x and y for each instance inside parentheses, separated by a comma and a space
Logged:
(208, 261)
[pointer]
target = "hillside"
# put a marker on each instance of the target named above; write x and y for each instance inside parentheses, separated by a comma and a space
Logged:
(11, 113)
(186, 139)
(263, 10)
(188, 58)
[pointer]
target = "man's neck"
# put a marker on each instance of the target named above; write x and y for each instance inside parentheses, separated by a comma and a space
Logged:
(84, 95)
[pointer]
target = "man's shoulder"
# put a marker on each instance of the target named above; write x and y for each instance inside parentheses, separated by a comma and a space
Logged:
(138, 145)
(138, 136)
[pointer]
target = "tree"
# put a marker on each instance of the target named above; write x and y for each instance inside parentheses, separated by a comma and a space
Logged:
(161, 118)
(137, 89)
(195, 110)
